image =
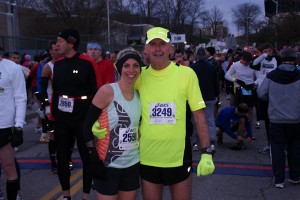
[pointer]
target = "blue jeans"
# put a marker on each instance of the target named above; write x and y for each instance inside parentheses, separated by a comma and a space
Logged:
(209, 115)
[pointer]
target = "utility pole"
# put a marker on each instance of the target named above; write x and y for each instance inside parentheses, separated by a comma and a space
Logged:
(247, 30)
(108, 25)
(11, 22)
(276, 2)
(276, 13)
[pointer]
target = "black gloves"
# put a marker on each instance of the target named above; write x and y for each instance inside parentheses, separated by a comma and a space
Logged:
(98, 168)
(240, 82)
(16, 138)
(243, 84)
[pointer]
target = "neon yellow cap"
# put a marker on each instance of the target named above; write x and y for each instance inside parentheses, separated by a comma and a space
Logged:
(158, 32)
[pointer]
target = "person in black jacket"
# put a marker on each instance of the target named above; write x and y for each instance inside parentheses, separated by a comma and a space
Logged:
(209, 85)
(74, 86)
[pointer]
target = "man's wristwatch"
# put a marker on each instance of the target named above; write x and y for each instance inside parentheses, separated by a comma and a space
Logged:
(207, 150)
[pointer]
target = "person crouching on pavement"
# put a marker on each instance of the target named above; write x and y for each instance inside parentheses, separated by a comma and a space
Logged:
(234, 122)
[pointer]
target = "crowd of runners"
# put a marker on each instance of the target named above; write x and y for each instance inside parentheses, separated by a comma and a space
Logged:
(136, 116)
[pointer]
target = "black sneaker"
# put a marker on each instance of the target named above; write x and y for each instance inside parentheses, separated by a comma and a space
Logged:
(239, 146)
(265, 150)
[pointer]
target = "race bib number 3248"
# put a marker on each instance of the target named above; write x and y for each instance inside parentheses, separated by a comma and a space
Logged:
(163, 113)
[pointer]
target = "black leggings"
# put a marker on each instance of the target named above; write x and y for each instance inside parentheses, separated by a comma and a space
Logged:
(65, 131)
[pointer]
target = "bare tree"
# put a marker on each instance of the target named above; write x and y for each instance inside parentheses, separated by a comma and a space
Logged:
(245, 15)
(84, 14)
(165, 12)
(213, 19)
(119, 6)
(36, 4)
(194, 10)
(259, 24)
(147, 9)
(177, 14)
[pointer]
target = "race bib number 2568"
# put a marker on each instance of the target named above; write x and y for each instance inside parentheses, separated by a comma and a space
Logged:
(163, 113)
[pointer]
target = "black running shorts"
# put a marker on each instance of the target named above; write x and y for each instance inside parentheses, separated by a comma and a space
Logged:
(126, 179)
(5, 134)
(166, 176)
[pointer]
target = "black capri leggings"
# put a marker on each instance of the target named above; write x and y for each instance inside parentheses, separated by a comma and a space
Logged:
(65, 131)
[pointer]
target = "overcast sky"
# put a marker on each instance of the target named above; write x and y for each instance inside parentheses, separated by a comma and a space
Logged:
(226, 5)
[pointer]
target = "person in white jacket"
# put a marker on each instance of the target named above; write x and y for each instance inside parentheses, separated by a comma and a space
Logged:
(265, 63)
(13, 100)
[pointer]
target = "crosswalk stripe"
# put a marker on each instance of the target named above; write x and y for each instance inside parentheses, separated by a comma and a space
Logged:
(57, 188)
(74, 189)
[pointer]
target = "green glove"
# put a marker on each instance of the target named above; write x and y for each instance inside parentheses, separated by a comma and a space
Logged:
(206, 165)
(97, 132)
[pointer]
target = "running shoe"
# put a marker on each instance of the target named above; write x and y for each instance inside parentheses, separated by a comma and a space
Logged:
(19, 197)
(1, 195)
(279, 185)
(41, 113)
(265, 149)
(239, 146)
(44, 138)
(294, 181)
(38, 130)
(252, 138)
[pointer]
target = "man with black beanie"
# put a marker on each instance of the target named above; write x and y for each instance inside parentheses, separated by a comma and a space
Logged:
(74, 85)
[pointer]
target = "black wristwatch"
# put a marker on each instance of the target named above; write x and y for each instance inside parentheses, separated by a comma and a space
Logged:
(207, 150)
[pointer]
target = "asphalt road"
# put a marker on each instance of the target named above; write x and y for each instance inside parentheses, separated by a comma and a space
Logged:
(239, 175)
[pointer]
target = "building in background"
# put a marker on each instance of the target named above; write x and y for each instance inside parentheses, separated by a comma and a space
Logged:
(274, 7)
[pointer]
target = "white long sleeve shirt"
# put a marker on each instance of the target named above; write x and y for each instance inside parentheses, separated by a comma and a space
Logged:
(13, 96)
(241, 72)
(266, 66)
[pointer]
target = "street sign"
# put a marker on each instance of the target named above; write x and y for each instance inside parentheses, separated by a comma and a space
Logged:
(178, 38)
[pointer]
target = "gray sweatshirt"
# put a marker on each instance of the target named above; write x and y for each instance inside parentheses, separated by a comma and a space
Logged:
(281, 88)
